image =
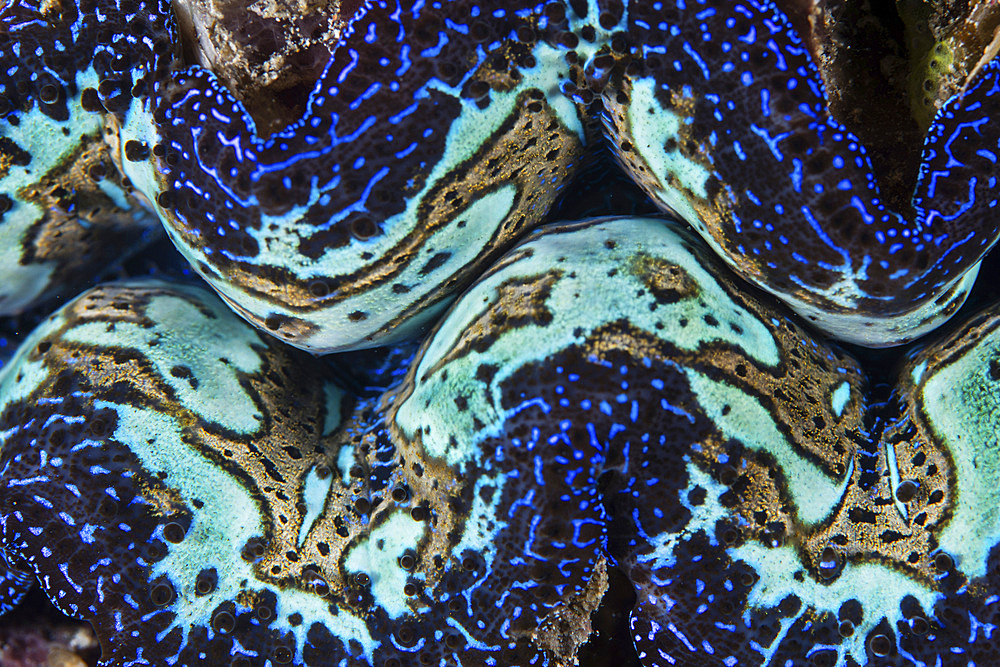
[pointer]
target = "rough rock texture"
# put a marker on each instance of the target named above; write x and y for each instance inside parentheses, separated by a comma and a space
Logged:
(269, 53)
(37, 635)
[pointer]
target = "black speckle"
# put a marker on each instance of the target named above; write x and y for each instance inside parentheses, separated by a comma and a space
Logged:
(435, 262)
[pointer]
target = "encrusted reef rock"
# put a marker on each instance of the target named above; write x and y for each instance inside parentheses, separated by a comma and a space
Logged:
(568, 408)
(607, 394)
(269, 53)
(343, 170)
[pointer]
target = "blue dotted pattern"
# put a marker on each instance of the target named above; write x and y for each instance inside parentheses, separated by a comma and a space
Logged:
(15, 582)
(608, 454)
(376, 126)
(791, 195)
(63, 203)
(558, 474)
(799, 206)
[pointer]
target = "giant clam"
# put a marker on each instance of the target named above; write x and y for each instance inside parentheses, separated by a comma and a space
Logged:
(605, 395)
